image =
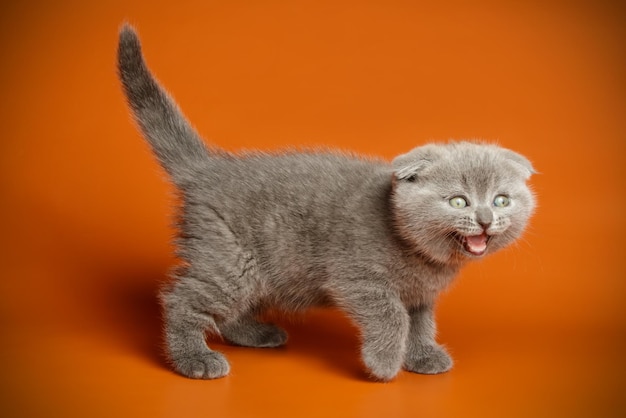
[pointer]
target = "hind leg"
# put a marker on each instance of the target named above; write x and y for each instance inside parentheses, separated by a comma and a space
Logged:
(248, 332)
(201, 299)
(217, 285)
(185, 328)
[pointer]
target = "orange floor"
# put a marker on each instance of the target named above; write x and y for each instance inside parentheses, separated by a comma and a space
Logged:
(538, 330)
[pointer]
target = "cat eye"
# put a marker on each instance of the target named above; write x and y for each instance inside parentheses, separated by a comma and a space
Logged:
(501, 201)
(458, 202)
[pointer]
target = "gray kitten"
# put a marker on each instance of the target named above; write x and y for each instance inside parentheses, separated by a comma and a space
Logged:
(295, 230)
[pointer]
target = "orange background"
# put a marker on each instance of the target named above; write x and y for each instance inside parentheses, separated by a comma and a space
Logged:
(537, 330)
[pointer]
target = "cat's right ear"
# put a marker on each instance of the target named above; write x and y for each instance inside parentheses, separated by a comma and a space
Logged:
(410, 166)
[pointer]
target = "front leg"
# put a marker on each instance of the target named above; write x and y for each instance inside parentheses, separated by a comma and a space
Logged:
(384, 324)
(424, 355)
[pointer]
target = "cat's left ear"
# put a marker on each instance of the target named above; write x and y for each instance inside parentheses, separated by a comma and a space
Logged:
(410, 165)
(520, 161)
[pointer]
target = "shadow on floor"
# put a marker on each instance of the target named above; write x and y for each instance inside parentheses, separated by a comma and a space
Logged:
(127, 307)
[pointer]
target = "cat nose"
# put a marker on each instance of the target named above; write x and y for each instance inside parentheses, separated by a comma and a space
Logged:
(484, 216)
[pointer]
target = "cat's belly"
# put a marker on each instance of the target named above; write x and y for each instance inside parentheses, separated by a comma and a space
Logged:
(295, 297)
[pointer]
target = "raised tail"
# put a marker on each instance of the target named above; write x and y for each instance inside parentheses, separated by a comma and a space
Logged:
(172, 138)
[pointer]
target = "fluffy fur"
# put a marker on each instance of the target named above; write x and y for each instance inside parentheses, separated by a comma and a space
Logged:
(295, 230)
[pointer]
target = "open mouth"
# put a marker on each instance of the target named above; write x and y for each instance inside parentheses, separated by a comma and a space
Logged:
(475, 244)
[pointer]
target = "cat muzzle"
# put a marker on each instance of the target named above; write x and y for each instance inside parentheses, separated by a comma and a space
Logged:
(475, 244)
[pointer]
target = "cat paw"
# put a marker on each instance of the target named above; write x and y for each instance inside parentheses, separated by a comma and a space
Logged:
(209, 365)
(381, 366)
(270, 336)
(432, 359)
(255, 335)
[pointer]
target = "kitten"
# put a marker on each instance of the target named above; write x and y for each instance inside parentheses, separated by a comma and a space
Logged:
(294, 230)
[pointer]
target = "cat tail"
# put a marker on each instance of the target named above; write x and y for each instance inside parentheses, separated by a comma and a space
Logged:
(175, 142)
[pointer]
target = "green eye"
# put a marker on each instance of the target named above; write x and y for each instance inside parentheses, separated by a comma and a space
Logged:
(458, 202)
(501, 201)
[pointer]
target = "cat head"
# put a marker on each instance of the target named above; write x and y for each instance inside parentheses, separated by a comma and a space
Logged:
(461, 200)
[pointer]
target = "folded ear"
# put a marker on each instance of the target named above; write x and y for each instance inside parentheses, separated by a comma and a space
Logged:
(520, 161)
(413, 163)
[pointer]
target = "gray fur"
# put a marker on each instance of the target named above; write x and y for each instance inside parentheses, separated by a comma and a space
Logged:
(293, 230)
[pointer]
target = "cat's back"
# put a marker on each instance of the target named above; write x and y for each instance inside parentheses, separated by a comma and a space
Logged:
(314, 199)
(289, 178)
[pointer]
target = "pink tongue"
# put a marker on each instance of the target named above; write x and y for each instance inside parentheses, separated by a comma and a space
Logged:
(477, 244)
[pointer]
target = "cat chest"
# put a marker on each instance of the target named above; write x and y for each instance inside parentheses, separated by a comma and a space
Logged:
(422, 285)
